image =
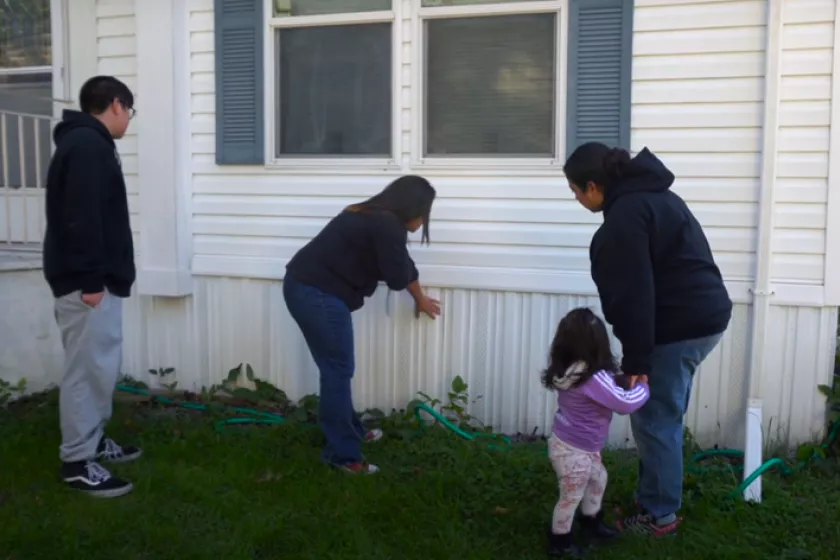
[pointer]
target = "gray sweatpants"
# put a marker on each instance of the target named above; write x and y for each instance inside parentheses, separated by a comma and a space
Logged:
(92, 339)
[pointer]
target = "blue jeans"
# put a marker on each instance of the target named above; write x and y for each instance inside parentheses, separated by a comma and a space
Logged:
(328, 330)
(658, 425)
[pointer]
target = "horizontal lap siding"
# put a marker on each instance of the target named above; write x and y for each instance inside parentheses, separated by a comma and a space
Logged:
(517, 222)
(800, 213)
(477, 221)
(697, 102)
(117, 56)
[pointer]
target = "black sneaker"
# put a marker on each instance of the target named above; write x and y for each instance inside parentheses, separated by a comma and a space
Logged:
(111, 452)
(92, 478)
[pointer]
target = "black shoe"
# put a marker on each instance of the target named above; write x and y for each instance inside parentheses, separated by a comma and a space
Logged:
(111, 452)
(92, 478)
(562, 546)
(593, 528)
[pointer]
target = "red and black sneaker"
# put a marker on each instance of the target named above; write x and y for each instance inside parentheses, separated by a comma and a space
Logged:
(645, 524)
(373, 435)
(358, 468)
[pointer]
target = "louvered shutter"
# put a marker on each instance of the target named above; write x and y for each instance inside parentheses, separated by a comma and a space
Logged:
(599, 72)
(239, 29)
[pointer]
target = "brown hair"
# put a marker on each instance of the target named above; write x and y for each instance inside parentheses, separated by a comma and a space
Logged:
(408, 198)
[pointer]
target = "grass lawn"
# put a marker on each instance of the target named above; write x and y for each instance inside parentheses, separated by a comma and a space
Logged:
(261, 493)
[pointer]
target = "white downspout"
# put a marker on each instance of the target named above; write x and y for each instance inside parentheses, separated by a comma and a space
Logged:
(762, 291)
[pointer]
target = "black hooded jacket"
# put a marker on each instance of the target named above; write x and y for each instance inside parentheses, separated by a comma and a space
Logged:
(88, 245)
(352, 254)
(653, 267)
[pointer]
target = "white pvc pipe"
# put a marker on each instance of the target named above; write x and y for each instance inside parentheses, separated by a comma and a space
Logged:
(762, 290)
(753, 450)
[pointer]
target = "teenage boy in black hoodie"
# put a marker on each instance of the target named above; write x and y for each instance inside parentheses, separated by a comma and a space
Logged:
(665, 298)
(89, 265)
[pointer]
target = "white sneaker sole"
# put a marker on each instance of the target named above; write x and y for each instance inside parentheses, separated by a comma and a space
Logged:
(109, 493)
(372, 469)
(122, 459)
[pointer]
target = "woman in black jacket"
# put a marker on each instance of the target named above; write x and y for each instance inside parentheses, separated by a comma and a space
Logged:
(664, 296)
(332, 275)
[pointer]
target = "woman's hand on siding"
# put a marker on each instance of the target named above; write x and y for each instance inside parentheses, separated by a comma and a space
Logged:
(427, 305)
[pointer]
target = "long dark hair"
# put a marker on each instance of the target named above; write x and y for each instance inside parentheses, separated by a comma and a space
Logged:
(596, 162)
(581, 337)
(408, 198)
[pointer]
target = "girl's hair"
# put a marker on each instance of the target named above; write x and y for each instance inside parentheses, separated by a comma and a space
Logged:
(581, 337)
(408, 198)
(596, 162)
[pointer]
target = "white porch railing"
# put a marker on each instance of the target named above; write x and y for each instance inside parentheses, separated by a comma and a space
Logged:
(25, 150)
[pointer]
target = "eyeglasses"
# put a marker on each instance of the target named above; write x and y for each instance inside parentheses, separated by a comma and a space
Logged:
(130, 110)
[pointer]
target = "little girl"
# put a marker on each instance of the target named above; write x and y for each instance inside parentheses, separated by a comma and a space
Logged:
(589, 389)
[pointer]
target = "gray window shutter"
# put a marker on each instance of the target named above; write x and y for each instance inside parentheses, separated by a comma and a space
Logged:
(599, 72)
(239, 29)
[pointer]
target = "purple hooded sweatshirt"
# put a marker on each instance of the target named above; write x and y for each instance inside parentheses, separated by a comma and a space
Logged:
(584, 412)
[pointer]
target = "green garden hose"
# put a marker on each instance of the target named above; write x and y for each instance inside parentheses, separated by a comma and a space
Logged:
(444, 421)
(472, 436)
(252, 416)
(786, 470)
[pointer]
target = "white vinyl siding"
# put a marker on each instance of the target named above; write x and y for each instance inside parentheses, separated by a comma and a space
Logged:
(802, 183)
(117, 56)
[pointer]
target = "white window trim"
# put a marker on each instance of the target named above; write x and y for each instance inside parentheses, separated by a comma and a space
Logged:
(26, 70)
(57, 69)
(59, 26)
(331, 164)
(58, 49)
(489, 162)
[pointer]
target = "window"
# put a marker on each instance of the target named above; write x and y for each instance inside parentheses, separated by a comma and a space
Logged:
(481, 83)
(25, 90)
(332, 88)
(490, 75)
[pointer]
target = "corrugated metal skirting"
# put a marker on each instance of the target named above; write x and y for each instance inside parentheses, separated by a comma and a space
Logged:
(497, 341)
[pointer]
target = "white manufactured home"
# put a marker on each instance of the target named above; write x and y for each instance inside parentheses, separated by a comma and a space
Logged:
(258, 120)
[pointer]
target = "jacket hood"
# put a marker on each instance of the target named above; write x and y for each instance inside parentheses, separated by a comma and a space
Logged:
(571, 376)
(644, 173)
(71, 120)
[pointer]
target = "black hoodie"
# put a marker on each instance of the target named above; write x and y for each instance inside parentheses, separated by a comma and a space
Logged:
(88, 245)
(655, 273)
(353, 252)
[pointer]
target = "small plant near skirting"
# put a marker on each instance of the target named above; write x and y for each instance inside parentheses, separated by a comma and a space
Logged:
(832, 395)
(807, 450)
(163, 373)
(404, 423)
(243, 388)
(9, 390)
(240, 388)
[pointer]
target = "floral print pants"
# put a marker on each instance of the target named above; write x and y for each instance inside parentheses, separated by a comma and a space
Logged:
(582, 478)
